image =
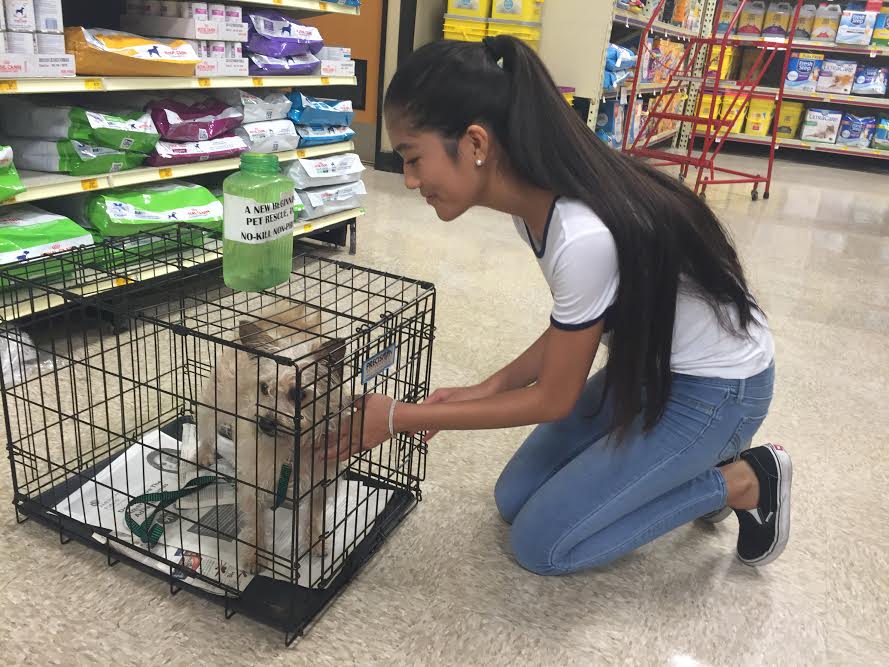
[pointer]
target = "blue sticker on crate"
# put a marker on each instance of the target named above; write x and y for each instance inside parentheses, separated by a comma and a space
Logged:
(379, 363)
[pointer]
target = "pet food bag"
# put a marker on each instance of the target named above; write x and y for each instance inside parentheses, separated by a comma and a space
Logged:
(319, 202)
(270, 136)
(128, 211)
(870, 80)
(27, 232)
(319, 136)
(10, 183)
(169, 152)
(881, 134)
(856, 131)
(836, 76)
(313, 111)
(133, 131)
(277, 35)
(291, 65)
(200, 121)
(325, 171)
(802, 72)
(73, 157)
(821, 126)
(255, 109)
(113, 53)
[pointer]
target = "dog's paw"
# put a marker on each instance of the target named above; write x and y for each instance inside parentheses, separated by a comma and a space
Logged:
(247, 562)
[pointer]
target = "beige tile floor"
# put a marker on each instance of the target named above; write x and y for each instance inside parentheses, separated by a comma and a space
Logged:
(444, 590)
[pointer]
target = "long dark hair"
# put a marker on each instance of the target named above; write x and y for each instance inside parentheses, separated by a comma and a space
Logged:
(660, 228)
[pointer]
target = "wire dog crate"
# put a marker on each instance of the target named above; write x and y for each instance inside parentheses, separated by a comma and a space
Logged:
(184, 440)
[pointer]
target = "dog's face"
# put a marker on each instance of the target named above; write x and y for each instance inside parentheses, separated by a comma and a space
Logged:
(310, 390)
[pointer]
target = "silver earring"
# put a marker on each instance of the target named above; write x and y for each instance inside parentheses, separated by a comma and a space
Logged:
(478, 163)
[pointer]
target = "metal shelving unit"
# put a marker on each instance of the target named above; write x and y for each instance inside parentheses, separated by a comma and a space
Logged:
(41, 185)
(639, 20)
(835, 149)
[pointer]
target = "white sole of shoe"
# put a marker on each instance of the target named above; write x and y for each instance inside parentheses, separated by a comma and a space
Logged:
(782, 523)
(717, 516)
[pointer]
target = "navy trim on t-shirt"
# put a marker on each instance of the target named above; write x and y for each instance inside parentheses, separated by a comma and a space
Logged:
(549, 219)
(606, 315)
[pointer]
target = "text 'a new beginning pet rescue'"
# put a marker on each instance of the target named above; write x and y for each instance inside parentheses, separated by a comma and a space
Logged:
(249, 221)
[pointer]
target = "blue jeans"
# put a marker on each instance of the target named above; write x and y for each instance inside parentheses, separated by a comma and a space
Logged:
(577, 498)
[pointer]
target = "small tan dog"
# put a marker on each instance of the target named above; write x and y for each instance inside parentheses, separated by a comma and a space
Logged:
(253, 400)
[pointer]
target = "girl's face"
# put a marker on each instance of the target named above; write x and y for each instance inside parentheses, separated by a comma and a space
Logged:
(451, 185)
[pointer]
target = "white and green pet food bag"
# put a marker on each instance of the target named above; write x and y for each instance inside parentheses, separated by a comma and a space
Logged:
(27, 232)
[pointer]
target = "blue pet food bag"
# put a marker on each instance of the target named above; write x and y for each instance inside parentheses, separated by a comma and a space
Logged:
(870, 80)
(856, 131)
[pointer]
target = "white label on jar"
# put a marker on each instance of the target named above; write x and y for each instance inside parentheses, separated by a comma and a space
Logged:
(249, 221)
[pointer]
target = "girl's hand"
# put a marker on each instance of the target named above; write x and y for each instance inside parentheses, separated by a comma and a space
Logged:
(455, 394)
(373, 411)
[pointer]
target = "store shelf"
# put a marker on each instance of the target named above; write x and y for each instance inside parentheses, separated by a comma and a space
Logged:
(643, 88)
(305, 5)
(94, 282)
(630, 19)
(870, 50)
(749, 138)
(871, 101)
(41, 185)
(79, 84)
(808, 146)
(663, 136)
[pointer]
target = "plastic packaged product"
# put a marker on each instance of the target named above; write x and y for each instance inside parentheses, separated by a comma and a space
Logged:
(269, 136)
(759, 117)
(836, 76)
(319, 136)
(71, 157)
(292, 65)
(257, 246)
(802, 71)
(821, 126)
(752, 17)
(870, 80)
(619, 58)
(27, 232)
(45, 120)
(789, 119)
(314, 111)
(20, 15)
(319, 202)
(726, 14)
(881, 134)
(169, 153)
(856, 27)
(127, 211)
(806, 22)
(881, 28)
(856, 131)
(777, 20)
(207, 119)
(274, 106)
(275, 34)
(10, 183)
(324, 171)
(610, 123)
(827, 21)
(112, 53)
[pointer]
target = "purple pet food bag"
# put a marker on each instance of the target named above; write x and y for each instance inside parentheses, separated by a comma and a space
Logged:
(276, 35)
(178, 121)
(293, 65)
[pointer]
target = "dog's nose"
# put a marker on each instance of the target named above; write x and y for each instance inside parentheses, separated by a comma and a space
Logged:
(295, 395)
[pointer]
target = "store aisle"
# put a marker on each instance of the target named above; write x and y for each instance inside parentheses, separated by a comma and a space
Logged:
(444, 590)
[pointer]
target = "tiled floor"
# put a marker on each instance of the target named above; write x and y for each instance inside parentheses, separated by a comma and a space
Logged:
(444, 590)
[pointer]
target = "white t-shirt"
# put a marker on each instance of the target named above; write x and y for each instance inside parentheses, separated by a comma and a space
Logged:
(578, 258)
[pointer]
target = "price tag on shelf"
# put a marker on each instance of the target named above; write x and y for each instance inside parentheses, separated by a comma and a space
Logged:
(120, 282)
(301, 153)
(204, 83)
(307, 227)
(322, 6)
(166, 172)
(89, 184)
(9, 86)
(325, 80)
(363, 210)
(93, 84)
(277, 2)
(258, 81)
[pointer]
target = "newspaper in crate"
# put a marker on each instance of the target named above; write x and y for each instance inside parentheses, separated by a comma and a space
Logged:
(200, 531)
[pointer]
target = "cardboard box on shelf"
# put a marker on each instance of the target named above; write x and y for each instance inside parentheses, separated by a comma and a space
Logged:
(212, 67)
(163, 26)
(335, 53)
(18, 66)
(337, 68)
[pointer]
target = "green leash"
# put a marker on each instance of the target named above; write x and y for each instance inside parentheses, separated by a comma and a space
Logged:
(151, 533)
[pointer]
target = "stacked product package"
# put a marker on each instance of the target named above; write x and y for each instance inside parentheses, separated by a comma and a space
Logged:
(327, 185)
(32, 43)
(320, 121)
(278, 45)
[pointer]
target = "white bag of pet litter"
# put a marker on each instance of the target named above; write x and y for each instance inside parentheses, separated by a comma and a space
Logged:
(325, 171)
(275, 106)
(270, 136)
(319, 202)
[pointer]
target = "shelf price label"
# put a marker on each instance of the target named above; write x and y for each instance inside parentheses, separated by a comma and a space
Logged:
(277, 2)
(89, 184)
(301, 153)
(120, 282)
(258, 81)
(322, 6)
(93, 84)
(166, 172)
(325, 80)
(307, 228)
(204, 83)
(9, 86)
